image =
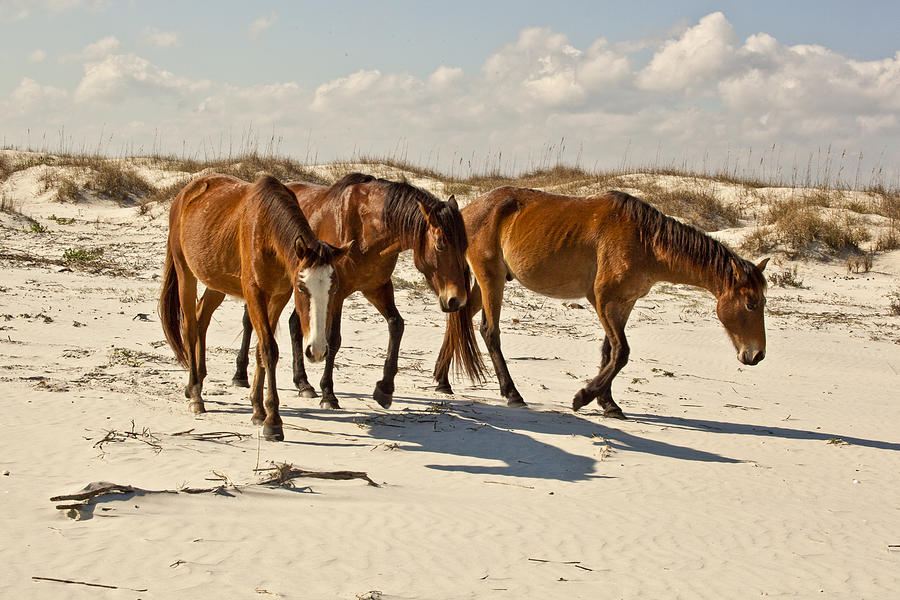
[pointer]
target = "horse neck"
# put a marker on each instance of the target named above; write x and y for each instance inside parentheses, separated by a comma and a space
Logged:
(688, 271)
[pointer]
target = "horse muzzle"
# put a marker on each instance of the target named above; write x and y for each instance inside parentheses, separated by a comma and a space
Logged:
(316, 352)
(451, 304)
(751, 357)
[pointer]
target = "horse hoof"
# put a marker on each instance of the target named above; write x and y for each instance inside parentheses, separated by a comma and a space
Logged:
(240, 382)
(197, 407)
(614, 413)
(329, 403)
(579, 400)
(273, 434)
(306, 391)
(444, 388)
(381, 397)
(516, 403)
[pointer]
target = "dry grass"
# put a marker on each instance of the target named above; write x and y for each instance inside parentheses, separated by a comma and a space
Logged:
(699, 207)
(797, 225)
(894, 302)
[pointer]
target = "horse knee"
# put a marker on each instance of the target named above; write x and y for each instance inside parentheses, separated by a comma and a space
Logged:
(396, 325)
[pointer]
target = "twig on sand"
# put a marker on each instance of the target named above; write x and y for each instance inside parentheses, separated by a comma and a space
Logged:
(99, 585)
(280, 474)
(145, 436)
(530, 487)
(225, 437)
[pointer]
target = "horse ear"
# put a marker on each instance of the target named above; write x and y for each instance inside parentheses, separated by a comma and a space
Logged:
(345, 249)
(452, 202)
(762, 264)
(427, 212)
(739, 274)
(300, 246)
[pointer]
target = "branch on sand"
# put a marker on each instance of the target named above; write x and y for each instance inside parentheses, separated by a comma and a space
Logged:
(278, 475)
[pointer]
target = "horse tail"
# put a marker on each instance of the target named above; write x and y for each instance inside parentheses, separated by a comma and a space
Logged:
(170, 309)
(460, 346)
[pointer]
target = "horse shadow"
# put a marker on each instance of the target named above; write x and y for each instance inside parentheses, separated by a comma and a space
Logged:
(758, 430)
(507, 442)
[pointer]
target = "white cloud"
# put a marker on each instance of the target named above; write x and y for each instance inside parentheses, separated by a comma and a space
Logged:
(122, 76)
(444, 77)
(37, 56)
(609, 99)
(31, 97)
(162, 39)
(701, 54)
(16, 10)
(94, 51)
(261, 24)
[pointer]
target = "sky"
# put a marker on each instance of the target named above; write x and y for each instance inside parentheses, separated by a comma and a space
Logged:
(778, 90)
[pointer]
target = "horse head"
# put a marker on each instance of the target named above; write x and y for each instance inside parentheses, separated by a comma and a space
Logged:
(740, 309)
(315, 292)
(442, 255)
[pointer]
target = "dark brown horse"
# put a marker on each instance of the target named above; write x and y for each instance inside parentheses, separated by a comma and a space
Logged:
(251, 241)
(609, 249)
(384, 218)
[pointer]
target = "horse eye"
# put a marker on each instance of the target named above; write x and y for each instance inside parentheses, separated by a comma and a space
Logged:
(751, 306)
(440, 247)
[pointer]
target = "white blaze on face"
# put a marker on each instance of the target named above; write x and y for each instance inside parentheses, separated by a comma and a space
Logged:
(318, 282)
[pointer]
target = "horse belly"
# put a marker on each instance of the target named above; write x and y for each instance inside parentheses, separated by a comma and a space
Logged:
(566, 275)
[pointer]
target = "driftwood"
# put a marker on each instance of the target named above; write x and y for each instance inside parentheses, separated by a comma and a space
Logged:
(281, 474)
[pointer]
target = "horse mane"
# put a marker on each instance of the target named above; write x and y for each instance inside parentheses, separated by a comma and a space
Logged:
(682, 245)
(285, 221)
(401, 213)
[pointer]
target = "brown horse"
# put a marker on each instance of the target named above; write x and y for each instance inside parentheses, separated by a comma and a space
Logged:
(251, 241)
(609, 249)
(384, 218)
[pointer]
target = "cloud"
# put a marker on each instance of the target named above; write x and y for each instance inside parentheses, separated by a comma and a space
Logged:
(701, 54)
(261, 24)
(162, 39)
(17, 10)
(122, 76)
(697, 95)
(30, 96)
(94, 51)
(37, 56)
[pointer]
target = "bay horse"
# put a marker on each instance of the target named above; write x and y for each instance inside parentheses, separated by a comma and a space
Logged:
(610, 249)
(385, 218)
(251, 241)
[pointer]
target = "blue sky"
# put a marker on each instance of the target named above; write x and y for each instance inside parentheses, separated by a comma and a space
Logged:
(449, 83)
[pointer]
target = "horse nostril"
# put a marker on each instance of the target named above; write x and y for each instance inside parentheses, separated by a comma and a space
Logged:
(453, 304)
(308, 353)
(758, 357)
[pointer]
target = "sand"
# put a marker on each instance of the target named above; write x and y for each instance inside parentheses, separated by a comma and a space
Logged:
(779, 480)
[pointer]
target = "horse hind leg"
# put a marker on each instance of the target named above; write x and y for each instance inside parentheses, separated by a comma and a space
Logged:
(243, 356)
(209, 302)
(187, 291)
(301, 382)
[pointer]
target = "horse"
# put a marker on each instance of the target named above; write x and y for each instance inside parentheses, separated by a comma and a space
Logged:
(385, 218)
(610, 249)
(251, 241)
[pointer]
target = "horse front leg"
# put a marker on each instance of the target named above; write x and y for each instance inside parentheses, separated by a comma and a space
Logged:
(264, 313)
(243, 356)
(326, 384)
(615, 352)
(490, 331)
(383, 300)
(299, 368)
